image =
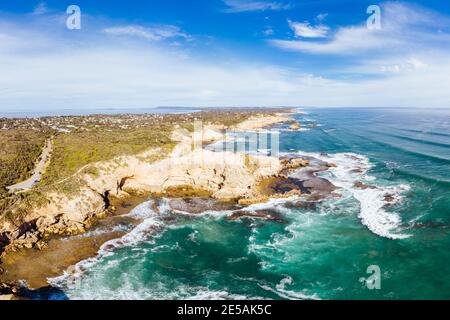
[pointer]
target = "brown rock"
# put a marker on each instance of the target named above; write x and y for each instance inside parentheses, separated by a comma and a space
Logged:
(363, 186)
(203, 170)
(7, 289)
(260, 214)
(45, 221)
(248, 202)
(294, 163)
(199, 205)
(41, 245)
(288, 194)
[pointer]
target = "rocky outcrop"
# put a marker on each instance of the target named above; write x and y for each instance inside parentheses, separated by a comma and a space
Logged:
(259, 214)
(230, 177)
(295, 126)
(222, 175)
(18, 291)
(261, 122)
(198, 205)
(290, 163)
(8, 291)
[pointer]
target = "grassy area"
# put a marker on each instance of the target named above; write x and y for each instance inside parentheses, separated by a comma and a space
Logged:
(82, 140)
(73, 151)
(20, 150)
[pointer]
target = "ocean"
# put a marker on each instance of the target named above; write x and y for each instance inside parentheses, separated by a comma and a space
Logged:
(324, 251)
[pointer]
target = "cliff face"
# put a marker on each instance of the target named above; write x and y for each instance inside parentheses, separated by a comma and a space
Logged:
(223, 175)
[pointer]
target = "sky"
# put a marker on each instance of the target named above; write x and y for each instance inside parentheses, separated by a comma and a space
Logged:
(211, 53)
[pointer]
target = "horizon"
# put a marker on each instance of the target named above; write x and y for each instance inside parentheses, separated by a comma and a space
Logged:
(77, 112)
(224, 52)
(244, 151)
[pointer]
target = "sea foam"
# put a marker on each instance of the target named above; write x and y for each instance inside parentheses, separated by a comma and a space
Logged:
(150, 223)
(353, 168)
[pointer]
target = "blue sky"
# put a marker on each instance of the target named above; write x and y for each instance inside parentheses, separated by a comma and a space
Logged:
(224, 53)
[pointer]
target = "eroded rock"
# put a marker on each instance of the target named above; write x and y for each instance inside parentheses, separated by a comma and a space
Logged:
(268, 215)
(200, 205)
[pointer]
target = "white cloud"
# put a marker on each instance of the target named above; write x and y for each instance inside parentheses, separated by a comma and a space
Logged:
(403, 28)
(346, 41)
(156, 33)
(399, 65)
(234, 6)
(105, 71)
(408, 65)
(416, 63)
(322, 16)
(268, 32)
(40, 9)
(305, 30)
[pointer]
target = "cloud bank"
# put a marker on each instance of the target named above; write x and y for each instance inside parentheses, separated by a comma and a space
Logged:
(156, 33)
(404, 28)
(137, 66)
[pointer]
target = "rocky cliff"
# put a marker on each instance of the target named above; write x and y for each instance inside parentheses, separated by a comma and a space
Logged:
(222, 175)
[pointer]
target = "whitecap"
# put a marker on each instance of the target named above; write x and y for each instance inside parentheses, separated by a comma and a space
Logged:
(352, 168)
(281, 291)
(141, 232)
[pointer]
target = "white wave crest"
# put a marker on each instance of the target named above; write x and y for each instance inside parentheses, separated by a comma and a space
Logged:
(141, 232)
(351, 169)
(282, 292)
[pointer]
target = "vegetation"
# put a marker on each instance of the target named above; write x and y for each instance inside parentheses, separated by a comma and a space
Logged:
(183, 191)
(71, 152)
(20, 150)
(82, 140)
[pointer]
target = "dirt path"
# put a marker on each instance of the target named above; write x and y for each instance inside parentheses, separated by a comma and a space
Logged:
(37, 173)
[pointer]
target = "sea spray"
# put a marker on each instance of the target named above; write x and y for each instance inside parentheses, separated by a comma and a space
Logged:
(351, 169)
(150, 223)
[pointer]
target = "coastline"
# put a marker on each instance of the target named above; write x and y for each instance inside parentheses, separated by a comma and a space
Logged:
(53, 256)
(306, 183)
(36, 266)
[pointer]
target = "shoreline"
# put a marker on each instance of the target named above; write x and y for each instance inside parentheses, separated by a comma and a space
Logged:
(64, 252)
(57, 255)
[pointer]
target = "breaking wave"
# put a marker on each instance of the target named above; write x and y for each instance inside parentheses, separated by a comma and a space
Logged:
(351, 175)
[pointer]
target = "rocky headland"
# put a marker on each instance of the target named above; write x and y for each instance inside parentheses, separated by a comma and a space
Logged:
(192, 178)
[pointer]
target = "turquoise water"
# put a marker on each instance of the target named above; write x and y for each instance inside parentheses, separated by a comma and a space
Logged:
(323, 250)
